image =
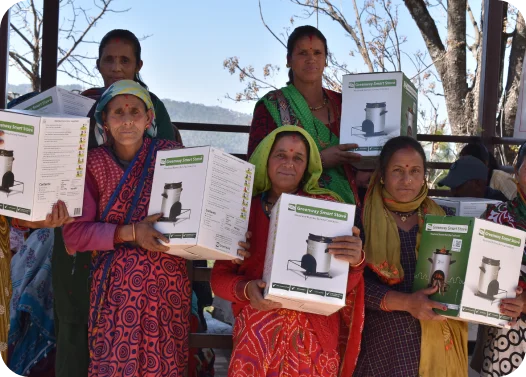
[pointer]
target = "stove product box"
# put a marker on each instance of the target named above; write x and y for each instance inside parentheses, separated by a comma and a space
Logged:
(474, 263)
(470, 207)
(42, 160)
(204, 195)
(58, 101)
(375, 108)
(299, 271)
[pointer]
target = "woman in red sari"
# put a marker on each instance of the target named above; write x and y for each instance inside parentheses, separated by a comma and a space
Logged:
(140, 296)
(304, 102)
(268, 340)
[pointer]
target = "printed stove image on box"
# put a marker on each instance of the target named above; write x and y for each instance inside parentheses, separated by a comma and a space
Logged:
(204, 195)
(474, 264)
(299, 271)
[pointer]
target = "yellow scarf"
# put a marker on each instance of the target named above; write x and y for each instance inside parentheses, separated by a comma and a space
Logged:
(382, 253)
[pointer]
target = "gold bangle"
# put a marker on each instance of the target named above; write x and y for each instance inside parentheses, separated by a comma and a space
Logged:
(245, 290)
(133, 231)
(361, 262)
(383, 305)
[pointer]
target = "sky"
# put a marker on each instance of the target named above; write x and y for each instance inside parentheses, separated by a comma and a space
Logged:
(189, 40)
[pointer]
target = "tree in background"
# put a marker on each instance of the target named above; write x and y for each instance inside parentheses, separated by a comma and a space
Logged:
(26, 25)
(442, 70)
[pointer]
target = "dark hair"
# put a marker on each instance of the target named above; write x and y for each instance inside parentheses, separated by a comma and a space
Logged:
(520, 156)
(479, 150)
(394, 145)
(130, 37)
(283, 134)
(297, 34)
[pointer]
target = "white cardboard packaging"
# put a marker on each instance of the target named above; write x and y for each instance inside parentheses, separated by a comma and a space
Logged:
(470, 207)
(479, 261)
(204, 195)
(299, 272)
(42, 160)
(58, 101)
(375, 108)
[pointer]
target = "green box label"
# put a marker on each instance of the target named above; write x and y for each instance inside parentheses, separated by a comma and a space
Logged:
(284, 287)
(298, 289)
(175, 235)
(24, 210)
(184, 160)
(372, 84)
(17, 127)
(316, 292)
(334, 294)
(481, 312)
(40, 104)
(320, 212)
(505, 317)
(499, 237)
(10, 208)
(468, 310)
(494, 315)
(189, 235)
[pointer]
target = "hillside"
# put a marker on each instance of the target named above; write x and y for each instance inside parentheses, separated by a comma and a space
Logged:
(191, 113)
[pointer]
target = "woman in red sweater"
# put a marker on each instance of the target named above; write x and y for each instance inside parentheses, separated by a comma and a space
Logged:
(269, 340)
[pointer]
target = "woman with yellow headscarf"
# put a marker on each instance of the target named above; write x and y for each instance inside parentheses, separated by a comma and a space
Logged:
(403, 336)
(269, 340)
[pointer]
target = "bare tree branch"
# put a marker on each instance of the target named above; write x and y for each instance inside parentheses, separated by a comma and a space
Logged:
(268, 28)
(21, 35)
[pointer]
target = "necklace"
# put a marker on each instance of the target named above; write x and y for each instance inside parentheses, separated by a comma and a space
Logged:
(405, 215)
(325, 102)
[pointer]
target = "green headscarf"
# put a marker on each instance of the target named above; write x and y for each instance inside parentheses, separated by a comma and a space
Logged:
(314, 169)
(288, 104)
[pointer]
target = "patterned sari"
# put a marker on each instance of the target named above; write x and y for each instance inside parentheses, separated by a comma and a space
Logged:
(504, 349)
(140, 300)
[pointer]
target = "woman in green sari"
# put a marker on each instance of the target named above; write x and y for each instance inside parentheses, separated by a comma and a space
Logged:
(305, 103)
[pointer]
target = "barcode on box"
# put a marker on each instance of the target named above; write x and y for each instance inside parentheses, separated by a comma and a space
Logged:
(77, 211)
(457, 244)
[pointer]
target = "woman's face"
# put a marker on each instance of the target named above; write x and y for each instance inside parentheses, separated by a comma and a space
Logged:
(404, 175)
(126, 119)
(287, 163)
(118, 62)
(308, 59)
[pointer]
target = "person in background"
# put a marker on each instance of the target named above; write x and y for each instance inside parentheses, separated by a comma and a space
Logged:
(140, 298)
(467, 177)
(362, 178)
(305, 103)
(501, 351)
(289, 343)
(119, 59)
(496, 179)
(403, 336)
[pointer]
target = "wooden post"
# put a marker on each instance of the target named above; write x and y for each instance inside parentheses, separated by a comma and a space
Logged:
(50, 24)
(4, 59)
(490, 69)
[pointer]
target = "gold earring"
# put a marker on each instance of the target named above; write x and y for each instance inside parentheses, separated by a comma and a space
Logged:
(287, 65)
(381, 181)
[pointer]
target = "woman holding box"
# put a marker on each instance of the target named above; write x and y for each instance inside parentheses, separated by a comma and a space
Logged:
(119, 59)
(501, 351)
(305, 103)
(268, 340)
(140, 296)
(402, 334)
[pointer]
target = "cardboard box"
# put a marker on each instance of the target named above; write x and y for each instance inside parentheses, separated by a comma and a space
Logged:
(470, 207)
(375, 108)
(58, 101)
(42, 160)
(475, 263)
(204, 195)
(298, 270)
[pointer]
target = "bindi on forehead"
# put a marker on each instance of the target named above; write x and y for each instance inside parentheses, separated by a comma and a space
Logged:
(310, 37)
